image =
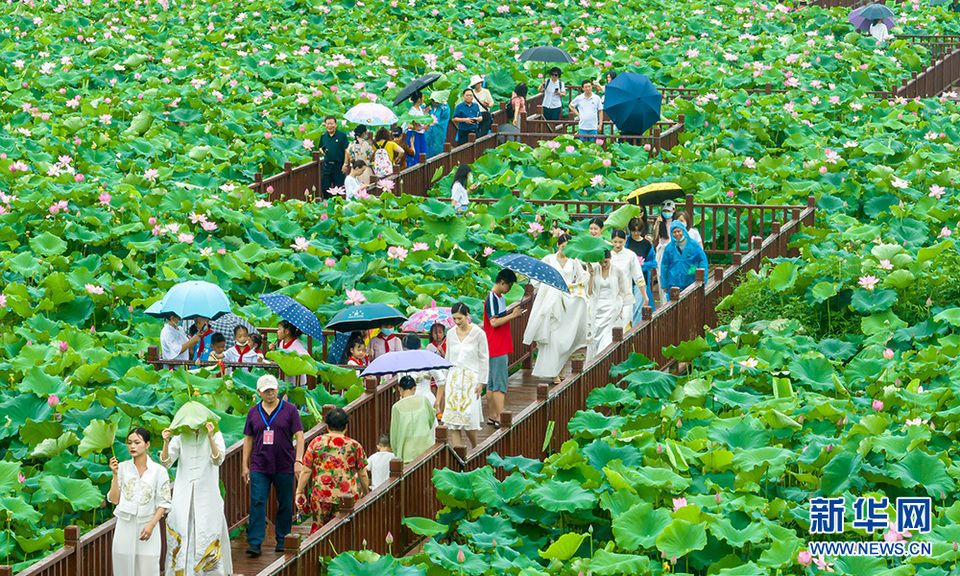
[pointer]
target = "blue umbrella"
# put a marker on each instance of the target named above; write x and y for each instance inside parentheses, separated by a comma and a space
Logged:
(406, 361)
(294, 313)
(533, 268)
(192, 299)
(875, 12)
(338, 347)
(632, 102)
(365, 317)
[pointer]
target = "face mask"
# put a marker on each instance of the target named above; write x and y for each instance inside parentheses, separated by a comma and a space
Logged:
(667, 214)
(387, 331)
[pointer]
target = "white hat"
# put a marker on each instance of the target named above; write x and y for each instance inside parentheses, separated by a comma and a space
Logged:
(476, 79)
(266, 382)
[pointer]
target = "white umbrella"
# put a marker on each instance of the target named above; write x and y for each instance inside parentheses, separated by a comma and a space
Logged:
(371, 114)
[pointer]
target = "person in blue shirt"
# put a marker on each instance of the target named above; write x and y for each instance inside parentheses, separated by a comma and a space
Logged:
(466, 116)
(437, 133)
(638, 242)
(681, 259)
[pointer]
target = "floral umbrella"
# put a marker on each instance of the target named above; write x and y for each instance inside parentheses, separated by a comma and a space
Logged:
(370, 114)
(422, 320)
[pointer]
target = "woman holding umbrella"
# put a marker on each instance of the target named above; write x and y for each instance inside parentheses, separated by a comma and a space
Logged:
(558, 320)
(416, 133)
(174, 344)
(360, 149)
(460, 395)
(198, 541)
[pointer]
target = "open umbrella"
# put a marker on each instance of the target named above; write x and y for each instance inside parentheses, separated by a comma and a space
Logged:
(632, 103)
(370, 114)
(655, 193)
(294, 313)
(546, 54)
(192, 299)
(422, 320)
(533, 268)
(338, 347)
(863, 17)
(414, 85)
(406, 361)
(365, 317)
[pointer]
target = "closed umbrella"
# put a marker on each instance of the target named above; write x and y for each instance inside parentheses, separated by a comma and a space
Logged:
(294, 313)
(192, 299)
(546, 54)
(414, 85)
(533, 268)
(370, 114)
(365, 317)
(406, 361)
(632, 103)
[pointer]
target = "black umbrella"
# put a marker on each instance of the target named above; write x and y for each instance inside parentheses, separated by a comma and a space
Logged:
(546, 54)
(414, 85)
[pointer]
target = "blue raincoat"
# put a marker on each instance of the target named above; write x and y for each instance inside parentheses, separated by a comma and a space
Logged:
(437, 132)
(679, 268)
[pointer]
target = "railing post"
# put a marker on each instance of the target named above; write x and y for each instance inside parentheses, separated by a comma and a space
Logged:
(258, 181)
(718, 275)
(441, 434)
(506, 419)
(646, 313)
(6, 571)
(291, 545)
(689, 210)
(543, 391)
(396, 467)
(576, 366)
(327, 408)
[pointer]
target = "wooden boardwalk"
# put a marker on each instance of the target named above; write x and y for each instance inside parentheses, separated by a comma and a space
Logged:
(521, 392)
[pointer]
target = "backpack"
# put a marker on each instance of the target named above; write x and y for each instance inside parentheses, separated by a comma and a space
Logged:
(382, 165)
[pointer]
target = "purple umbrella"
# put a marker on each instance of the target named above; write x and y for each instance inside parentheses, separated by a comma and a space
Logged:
(406, 361)
(863, 17)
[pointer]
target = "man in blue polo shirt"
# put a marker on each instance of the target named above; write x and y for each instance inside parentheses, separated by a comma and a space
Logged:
(466, 116)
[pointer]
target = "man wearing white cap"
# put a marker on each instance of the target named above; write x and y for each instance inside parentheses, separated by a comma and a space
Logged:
(272, 454)
(485, 100)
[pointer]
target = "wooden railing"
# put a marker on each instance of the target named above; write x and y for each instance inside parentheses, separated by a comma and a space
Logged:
(410, 492)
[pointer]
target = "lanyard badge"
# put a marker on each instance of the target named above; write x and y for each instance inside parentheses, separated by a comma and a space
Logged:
(268, 433)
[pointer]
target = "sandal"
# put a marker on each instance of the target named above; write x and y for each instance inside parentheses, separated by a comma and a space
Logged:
(494, 423)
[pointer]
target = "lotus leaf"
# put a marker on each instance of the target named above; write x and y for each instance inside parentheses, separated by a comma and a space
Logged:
(640, 526)
(191, 417)
(681, 537)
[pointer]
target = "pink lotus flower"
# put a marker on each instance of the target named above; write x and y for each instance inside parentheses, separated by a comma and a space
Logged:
(944, 232)
(606, 162)
(354, 297)
(307, 144)
(805, 558)
(570, 149)
(152, 221)
(63, 346)
(337, 190)
(750, 362)
(221, 251)
(330, 262)
(208, 226)
(868, 282)
(679, 503)
(936, 191)
(3, 300)
(94, 289)
(78, 177)
(56, 207)
(877, 405)
(387, 185)
(596, 180)
(488, 251)
(197, 218)
(899, 183)
(104, 198)
(53, 400)
(300, 244)
(749, 162)
(185, 238)
(21, 478)
(730, 194)
(888, 354)
(419, 246)
(885, 265)
(535, 228)
(397, 252)
(151, 174)
(822, 563)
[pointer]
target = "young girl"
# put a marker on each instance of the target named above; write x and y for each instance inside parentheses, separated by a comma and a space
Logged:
(244, 351)
(385, 341)
(438, 344)
(612, 294)
(356, 352)
(458, 192)
(353, 183)
(596, 227)
(140, 490)
(201, 329)
(288, 339)
(519, 102)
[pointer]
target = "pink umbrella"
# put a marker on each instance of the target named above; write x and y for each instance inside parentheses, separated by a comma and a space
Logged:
(422, 320)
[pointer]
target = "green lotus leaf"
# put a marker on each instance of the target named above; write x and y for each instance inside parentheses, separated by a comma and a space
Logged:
(606, 563)
(293, 364)
(748, 569)
(688, 350)
(592, 424)
(80, 494)
(425, 527)
(445, 555)
(950, 316)
(840, 474)
(48, 244)
(587, 248)
(817, 372)
(772, 457)
(97, 436)
(192, 416)
(489, 529)
(822, 291)
(723, 529)
(681, 537)
(651, 383)
(620, 218)
(611, 396)
(869, 301)
(599, 453)
(555, 496)
(51, 447)
(661, 479)
(918, 468)
(783, 276)
(640, 526)
(15, 507)
(347, 564)
(739, 436)
(495, 494)
(564, 547)
(526, 466)
(9, 477)
(634, 362)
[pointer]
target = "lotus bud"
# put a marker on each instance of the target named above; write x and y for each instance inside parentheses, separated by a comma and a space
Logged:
(53, 400)
(679, 424)
(673, 559)
(29, 342)
(954, 545)
(389, 538)
(590, 529)
(800, 419)
(878, 405)
(21, 478)
(659, 449)
(364, 543)
(805, 558)
(888, 354)
(606, 162)
(829, 448)
(64, 346)
(663, 554)
(493, 541)
(717, 497)
(461, 557)
(942, 495)
(93, 329)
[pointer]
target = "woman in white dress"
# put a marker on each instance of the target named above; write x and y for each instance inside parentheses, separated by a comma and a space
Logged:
(140, 490)
(628, 263)
(198, 540)
(612, 295)
(558, 321)
(460, 394)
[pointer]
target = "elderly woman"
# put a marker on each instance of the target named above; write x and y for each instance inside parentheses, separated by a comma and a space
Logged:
(333, 466)
(198, 540)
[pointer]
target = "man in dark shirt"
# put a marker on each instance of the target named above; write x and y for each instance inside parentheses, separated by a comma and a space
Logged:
(270, 457)
(334, 167)
(466, 116)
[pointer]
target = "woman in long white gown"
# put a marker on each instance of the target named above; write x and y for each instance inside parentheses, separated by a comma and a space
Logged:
(460, 394)
(198, 541)
(628, 263)
(558, 321)
(612, 295)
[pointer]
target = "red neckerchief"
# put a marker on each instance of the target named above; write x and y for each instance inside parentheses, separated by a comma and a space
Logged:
(361, 362)
(242, 352)
(285, 346)
(200, 345)
(442, 347)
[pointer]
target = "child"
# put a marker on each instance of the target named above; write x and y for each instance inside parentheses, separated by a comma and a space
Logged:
(140, 490)
(385, 341)
(458, 192)
(218, 347)
(379, 464)
(496, 324)
(256, 340)
(352, 183)
(425, 377)
(356, 352)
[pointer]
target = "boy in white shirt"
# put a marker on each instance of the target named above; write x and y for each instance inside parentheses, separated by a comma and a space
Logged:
(379, 464)
(352, 183)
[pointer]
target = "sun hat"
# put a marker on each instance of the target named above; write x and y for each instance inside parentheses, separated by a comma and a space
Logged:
(476, 79)
(266, 382)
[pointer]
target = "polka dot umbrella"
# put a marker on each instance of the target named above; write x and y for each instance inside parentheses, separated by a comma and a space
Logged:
(534, 269)
(294, 313)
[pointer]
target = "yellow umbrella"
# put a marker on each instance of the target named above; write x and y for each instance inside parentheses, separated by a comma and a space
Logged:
(655, 193)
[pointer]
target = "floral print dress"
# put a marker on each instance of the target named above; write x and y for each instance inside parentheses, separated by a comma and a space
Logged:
(336, 462)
